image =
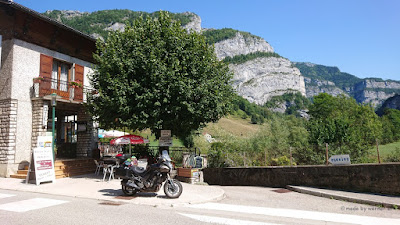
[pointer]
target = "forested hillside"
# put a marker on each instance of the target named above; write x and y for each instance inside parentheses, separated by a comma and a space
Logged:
(99, 22)
(328, 73)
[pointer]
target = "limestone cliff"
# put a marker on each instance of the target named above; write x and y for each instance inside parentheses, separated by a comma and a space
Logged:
(241, 45)
(260, 79)
(195, 22)
(315, 87)
(328, 79)
(375, 91)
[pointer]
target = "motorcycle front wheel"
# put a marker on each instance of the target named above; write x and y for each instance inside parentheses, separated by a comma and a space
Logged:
(173, 188)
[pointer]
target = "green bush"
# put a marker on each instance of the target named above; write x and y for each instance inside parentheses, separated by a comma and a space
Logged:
(216, 155)
(280, 161)
(393, 157)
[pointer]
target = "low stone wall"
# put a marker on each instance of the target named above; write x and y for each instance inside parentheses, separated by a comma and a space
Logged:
(375, 178)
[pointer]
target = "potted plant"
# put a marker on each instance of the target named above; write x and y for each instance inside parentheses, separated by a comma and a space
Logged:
(75, 84)
(38, 79)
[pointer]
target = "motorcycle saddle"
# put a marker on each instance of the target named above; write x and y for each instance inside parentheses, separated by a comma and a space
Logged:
(138, 170)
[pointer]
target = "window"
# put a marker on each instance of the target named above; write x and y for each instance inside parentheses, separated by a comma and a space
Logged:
(60, 75)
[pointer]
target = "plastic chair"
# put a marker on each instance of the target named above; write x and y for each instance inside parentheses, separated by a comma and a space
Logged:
(110, 170)
(99, 165)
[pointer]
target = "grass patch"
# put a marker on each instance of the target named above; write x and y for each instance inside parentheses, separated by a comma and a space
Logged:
(233, 125)
(385, 150)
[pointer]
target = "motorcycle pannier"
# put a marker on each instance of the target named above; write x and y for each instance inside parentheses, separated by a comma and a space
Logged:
(123, 173)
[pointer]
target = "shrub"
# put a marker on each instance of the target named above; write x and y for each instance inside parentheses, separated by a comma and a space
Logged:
(393, 157)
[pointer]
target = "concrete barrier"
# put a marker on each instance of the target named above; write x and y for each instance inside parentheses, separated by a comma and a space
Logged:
(374, 178)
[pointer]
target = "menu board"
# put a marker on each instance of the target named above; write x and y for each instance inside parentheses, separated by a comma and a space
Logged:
(43, 160)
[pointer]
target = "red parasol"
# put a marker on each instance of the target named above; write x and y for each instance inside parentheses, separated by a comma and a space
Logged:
(129, 139)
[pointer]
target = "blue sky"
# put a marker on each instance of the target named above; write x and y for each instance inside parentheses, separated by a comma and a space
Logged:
(361, 37)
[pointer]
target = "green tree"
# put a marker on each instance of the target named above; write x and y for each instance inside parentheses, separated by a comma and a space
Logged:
(157, 75)
(348, 128)
(391, 121)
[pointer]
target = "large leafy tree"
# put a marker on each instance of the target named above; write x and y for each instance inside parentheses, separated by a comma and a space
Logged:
(348, 128)
(157, 75)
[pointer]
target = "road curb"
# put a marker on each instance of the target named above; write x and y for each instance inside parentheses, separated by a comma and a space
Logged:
(341, 197)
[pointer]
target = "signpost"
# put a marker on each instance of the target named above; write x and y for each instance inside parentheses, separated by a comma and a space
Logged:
(165, 133)
(165, 139)
(340, 160)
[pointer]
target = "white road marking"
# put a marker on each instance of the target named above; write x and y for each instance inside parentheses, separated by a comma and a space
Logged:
(5, 195)
(299, 214)
(219, 220)
(30, 204)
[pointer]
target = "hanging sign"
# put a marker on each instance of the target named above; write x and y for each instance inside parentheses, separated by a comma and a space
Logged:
(45, 115)
(43, 160)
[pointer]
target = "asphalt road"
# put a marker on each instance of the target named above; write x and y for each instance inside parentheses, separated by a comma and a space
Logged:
(242, 205)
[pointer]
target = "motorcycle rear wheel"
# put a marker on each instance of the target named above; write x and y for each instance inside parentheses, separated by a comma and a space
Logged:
(173, 188)
(128, 190)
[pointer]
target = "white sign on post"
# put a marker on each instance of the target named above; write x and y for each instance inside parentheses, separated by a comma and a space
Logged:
(165, 141)
(43, 159)
(165, 133)
(340, 160)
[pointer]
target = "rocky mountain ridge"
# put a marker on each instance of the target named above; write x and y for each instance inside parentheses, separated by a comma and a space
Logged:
(325, 79)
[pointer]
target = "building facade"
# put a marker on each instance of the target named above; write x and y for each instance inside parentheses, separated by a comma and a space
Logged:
(38, 57)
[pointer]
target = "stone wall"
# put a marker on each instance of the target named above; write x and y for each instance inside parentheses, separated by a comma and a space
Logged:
(375, 178)
(8, 129)
(38, 128)
(86, 140)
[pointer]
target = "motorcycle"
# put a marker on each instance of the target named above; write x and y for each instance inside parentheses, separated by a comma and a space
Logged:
(138, 179)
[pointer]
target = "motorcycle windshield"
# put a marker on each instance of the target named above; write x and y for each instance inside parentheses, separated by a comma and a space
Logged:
(165, 155)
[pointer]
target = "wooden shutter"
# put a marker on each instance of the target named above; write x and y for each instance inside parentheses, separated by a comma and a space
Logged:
(79, 78)
(46, 69)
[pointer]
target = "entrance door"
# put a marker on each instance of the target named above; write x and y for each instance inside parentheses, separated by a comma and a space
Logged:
(68, 137)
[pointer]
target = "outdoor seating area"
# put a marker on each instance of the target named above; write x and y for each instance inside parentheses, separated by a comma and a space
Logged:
(107, 166)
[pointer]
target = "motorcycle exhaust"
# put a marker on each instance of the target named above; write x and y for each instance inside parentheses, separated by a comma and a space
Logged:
(132, 185)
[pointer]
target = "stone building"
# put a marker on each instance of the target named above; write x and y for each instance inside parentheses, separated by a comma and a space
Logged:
(38, 57)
